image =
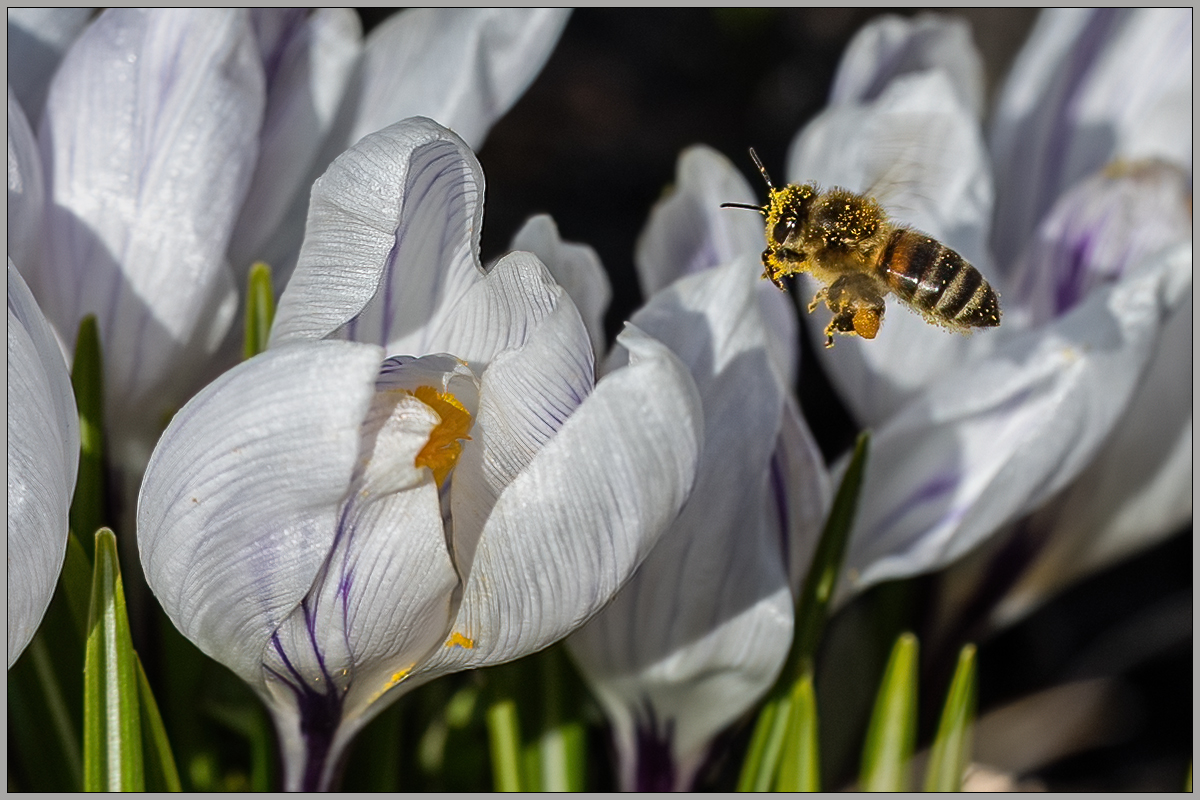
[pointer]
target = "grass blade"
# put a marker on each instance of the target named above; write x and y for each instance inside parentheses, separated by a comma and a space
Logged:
(504, 737)
(112, 737)
(161, 773)
(800, 764)
(891, 737)
(260, 310)
(952, 746)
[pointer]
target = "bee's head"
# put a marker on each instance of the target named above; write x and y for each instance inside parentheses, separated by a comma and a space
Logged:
(786, 209)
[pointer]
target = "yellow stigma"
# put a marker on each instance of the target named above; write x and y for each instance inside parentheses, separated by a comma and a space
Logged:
(441, 452)
(462, 641)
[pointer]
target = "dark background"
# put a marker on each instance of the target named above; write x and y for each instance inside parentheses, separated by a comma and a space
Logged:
(594, 142)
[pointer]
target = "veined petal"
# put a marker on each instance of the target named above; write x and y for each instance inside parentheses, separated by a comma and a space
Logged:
(239, 505)
(919, 152)
(1089, 87)
(37, 39)
(392, 240)
(700, 632)
(1138, 489)
(1097, 231)
(688, 231)
(575, 267)
(995, 440)
(570, 530)
(26, 191)
(308, 60)
(888, 47)
(149, 141)
(800, 491)
(461, 67)
(43, 454)
(526, 394)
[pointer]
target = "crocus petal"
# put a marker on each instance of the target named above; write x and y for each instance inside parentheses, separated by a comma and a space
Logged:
(462, 67)
(308, 60)
(239, 505)
(1089, 87)
(43, 454)
(918, 151)
(688, 232)
(701, 631)
(994, 440)
(392, 240)
(149, 140)
(1097, 231)
(527, 393)
(26, 191)
(890, 46)
(575, 267)
(572, 528)
(1137, 491)
(37, 39)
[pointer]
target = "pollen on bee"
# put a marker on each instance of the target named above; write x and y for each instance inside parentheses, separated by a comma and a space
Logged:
(866, 323)
(457, 639)
(442, 450)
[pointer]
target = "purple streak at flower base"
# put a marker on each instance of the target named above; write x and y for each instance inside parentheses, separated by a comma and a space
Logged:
(320, 716)
(655, 767)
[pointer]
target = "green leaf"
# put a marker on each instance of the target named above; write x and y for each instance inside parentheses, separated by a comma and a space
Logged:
(161, 773)
(43, 715)
(891, 737)
(260, 310)
(504, 736)
(112, 736)
(558, 753)
(800, 764)
(952, 746)
(88, 506)
(761, 766)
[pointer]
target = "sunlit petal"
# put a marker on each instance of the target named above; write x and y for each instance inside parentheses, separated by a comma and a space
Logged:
(571, 529)
(1089, 87)
(995, 440)
(239, 505)
(43, 454)
(37, 39)
(575, 267)
(891, 46)
(149, 139)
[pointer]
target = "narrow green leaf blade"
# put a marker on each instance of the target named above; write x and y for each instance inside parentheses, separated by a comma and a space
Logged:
(88, 506)
(112, 737)
(812, 610)
(561, 743)
(161, 772)
(952, 746)
(891, 736)
(504, 737)
(800, 764)
(260, 310)
(770, 731)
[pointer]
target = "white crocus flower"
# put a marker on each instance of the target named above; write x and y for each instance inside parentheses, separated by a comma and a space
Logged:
(177, 146)
(418, 476)
(700, 633)
(43, 454)
(973, 433)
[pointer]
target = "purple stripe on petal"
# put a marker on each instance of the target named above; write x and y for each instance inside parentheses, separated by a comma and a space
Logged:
(655, 771)
(937, 488)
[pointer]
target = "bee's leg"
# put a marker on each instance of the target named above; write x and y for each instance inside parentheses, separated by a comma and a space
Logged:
(822, 294)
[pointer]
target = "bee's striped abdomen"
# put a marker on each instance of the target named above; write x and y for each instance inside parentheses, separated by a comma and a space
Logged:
(937, 281)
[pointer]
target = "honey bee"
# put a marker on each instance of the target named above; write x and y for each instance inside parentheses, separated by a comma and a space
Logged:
(846, 241)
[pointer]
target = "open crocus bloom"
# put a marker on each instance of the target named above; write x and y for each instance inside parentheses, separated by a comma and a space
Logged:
(700, 633)
(177, 146)
(418, 476)
(1085, 233)
(43, 454)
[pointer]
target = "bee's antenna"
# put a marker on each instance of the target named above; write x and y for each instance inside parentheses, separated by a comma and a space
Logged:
(759, 209)
(761, 169)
